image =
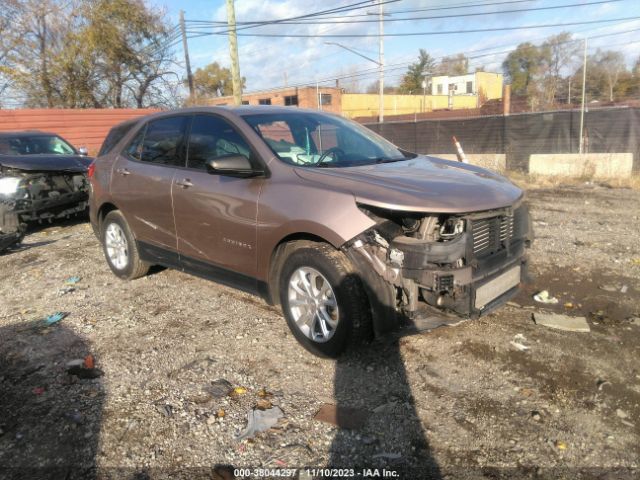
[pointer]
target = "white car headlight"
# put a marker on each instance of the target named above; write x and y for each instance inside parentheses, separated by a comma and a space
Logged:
(9, 185)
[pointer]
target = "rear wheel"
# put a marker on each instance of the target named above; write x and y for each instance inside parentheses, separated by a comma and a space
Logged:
(322, 299)
(120, 248)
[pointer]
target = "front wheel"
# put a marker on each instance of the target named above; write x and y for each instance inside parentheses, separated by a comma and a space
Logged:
(120, 248)
(322, 299)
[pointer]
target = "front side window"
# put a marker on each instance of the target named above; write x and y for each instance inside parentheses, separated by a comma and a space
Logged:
(162, 142)
(211, 138)
(310, 139)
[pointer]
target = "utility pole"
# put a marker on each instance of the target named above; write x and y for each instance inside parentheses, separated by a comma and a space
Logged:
(584, 83)
(569, 97)
(381, 59)
(233, 53)
(185, 47)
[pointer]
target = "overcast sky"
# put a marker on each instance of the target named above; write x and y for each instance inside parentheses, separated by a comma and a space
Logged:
(266, 61)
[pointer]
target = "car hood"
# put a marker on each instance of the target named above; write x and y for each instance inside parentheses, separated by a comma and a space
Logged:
(46, 163)
(422, 184)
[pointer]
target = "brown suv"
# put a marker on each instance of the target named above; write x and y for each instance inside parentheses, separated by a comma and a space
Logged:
(317, 213)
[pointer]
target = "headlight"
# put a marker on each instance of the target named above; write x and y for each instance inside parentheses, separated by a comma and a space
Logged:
(9, 185)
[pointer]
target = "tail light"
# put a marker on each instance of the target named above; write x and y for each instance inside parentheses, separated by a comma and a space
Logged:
(91, 170)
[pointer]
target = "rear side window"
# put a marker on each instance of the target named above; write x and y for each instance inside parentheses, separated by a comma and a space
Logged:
(115, 135)
(212, 137)
(161, 142)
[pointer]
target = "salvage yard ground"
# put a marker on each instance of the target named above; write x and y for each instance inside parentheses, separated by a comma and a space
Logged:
(458, 402)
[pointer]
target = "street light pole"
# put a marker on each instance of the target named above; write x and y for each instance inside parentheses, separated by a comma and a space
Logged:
(381, 59)
(584, 83)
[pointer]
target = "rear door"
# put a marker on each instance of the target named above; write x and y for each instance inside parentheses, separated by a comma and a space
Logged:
(216, 216)
(142, 180)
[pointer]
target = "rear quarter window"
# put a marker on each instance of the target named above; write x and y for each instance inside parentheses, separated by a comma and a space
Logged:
(113, 138)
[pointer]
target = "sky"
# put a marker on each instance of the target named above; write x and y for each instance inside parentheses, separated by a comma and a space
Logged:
(275, 62)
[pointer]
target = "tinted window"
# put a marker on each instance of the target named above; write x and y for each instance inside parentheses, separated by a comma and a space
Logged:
(134, 150)
(115, 135)
(163, 141)
(212, 137)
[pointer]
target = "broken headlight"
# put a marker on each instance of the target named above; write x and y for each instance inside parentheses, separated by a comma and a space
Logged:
(9, 185)
(451, 228)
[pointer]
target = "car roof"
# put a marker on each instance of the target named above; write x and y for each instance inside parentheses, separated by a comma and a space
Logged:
(238, 110)
(25, 133)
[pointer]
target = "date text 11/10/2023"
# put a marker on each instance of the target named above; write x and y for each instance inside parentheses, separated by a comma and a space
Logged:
(315, 473)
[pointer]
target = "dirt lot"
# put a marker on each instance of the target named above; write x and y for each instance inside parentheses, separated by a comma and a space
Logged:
(458, 402)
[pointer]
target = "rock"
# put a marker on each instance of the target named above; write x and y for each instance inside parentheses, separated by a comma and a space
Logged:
(219, 388)
(608, 288)
(536, 416)
(562, 322)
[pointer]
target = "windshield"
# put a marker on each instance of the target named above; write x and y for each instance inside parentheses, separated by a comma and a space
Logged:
(35, 145)
(315, 140)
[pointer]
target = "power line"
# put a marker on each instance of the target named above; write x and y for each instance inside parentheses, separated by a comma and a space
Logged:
(437, 17)
(443, 32)
(390, 12)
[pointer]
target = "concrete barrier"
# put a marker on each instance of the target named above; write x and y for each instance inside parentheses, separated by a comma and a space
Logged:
(588, 165)
(492, 161)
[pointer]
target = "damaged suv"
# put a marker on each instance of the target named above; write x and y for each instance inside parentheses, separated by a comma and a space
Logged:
(42, 178)
(318, 214)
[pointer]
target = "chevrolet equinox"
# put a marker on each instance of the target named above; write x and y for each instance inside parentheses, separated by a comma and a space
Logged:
(347, 232)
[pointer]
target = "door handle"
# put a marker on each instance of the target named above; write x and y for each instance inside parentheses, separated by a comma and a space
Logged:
(123, 171)
(185, 183)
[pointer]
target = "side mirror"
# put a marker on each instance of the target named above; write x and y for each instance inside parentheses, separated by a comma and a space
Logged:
(83, 151)
(232, 166)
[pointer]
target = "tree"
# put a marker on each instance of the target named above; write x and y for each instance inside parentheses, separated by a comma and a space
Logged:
(610, 65)
(416, 73)
(453, 65)
(213, 81)
(90, 53)
(558, 55)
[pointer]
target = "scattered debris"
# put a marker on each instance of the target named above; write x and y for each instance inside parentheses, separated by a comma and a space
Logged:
(544, 297)
(166, 410)
(259, 421)
(560, 445)
(238, 391)
(536, 416)
(624, 289)
(55, 318)
(220, 413)
(72, 280)
(220, 388)
(608, 288)
(602, 383)
(65, 290)
(84, 368)
(568, 305)
(89, 361)
(38, 390)
(264, 394)
(263, 404)
(634, 320)
(343, 417)
(514, 304)
(518, 343)
(562, 322)
(621, 414)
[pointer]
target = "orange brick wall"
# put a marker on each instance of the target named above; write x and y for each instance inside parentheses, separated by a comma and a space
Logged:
(81, 127)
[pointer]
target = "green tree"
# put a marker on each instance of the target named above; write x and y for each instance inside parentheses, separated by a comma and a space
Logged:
(453, 65)
(416, 73)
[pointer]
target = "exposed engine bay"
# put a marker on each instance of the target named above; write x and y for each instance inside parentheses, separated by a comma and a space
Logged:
(31, 196)
(468, 264)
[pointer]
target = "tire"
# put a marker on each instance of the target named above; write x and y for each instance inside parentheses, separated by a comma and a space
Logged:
(317, 324)
(115, 229)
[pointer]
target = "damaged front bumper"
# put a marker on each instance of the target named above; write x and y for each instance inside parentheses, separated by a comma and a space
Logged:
(468, 264)
(39, 197)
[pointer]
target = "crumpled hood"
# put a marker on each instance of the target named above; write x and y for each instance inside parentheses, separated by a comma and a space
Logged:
(47, 163)
(423, 184)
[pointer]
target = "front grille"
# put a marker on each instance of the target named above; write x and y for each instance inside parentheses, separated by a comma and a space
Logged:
(491, 235)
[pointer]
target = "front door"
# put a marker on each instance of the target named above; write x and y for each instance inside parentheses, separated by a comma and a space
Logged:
(216, 216)
(143, 177)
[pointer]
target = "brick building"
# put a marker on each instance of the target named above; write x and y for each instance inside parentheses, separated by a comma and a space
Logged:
(322, 98)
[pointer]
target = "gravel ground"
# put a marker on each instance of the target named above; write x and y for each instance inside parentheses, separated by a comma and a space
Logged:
(457, 402)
